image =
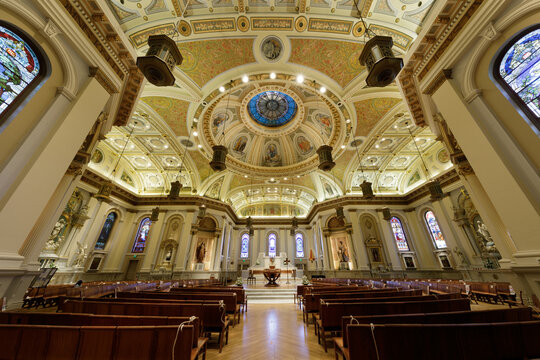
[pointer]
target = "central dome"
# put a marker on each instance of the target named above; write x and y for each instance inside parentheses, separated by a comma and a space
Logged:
(272, 108)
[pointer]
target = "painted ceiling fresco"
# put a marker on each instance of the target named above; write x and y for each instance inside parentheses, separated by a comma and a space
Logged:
(337, 59)
(369, 112)
(172, 111)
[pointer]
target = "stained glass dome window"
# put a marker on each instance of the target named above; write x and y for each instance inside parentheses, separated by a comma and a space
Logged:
(106, 231)
(299, 245)
(272, 108)
(142, 236)
(244, 247)
(435, 230)
(399, 234)
(20, 67)
(518, 71)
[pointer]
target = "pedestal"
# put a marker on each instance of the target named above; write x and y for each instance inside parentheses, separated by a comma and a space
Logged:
(272, 275)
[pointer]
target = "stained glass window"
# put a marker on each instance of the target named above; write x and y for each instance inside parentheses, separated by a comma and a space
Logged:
(399, 234)
(272, 240)
(435, 230)
(19, 66)
(106, 231)
(244, 247)
(272, 108)
(519, 70)
(142, 236)
(299, 239)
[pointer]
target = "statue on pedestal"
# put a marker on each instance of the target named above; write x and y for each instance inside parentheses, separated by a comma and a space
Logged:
(81, 255)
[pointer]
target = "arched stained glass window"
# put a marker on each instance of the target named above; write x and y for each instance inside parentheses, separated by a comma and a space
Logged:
(244, 247)
(106, 231)
(399, 234)
(142, 236)
(517, 70)
(299, 239)
(434, 230)
(272, 241)
(22, 67)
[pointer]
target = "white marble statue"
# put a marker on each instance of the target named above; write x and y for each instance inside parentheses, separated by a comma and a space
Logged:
(81, 255)
(54, 239)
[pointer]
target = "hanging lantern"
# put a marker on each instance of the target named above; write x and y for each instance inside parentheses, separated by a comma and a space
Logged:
(292, 231)
(379, 59)
(367, 191)
(435, 190)
(202, 212)
(104, 192)
(295, 222)
(218, 159)
(325, 158)
(251, 231)
(176, 186)
(386, 214)
(340, 214)
(249, 222)
(155, 214)
(160, 60)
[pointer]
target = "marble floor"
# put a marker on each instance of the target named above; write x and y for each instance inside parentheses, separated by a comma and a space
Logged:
(271, 331)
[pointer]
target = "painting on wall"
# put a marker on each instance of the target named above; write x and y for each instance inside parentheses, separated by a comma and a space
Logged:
(97, 157)
(127, 179)
(271, 155)
(303, 144)
(272, 210)
(414, 179)
(218, 120)
(238, 146)
(324, 121)
(213, 191)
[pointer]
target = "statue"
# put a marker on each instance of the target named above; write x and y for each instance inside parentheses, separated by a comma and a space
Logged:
(460, 256)
(81, 255)
(200, 253)
(485, 236)
(55, 238)
(342, 252)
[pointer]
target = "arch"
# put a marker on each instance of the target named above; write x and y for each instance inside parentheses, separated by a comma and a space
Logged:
(106, 230)
(299, 245)
(272, 244)
(25, 67)
(142, 235)
(399, 234)
(244, 246)
(515, 71)
(434, 230)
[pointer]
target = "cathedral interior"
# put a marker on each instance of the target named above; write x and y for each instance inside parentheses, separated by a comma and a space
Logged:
(270, 142)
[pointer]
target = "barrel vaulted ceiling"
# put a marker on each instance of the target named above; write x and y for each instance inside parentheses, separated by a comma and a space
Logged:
(271, 124)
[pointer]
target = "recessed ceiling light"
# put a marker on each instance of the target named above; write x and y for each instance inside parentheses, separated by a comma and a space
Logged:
(377, 146)
(199, 146)
(297, 176)
(416, 139)
(245, 78)
(195, 133)
(300, 78)
(221, 89)
(272, 75)
(343, 146)
(284, 178)
(348, 121)
(271, 179)
(245, 176)
(322, 89)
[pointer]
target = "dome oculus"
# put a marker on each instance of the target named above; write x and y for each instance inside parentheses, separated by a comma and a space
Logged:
(272, 108)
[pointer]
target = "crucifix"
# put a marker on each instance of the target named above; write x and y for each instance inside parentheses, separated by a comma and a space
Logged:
(286, 262)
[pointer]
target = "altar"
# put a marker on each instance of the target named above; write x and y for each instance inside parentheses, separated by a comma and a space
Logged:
(264, 262)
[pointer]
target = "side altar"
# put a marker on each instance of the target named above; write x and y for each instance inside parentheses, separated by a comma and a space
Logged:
(264, 262)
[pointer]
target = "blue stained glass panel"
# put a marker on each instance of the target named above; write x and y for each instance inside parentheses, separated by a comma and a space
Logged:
(520, 69)
(272, 240)
(19, 66)
(142, 236)
(272, 108)
(399, 234)
(299, 245)
(435, 230)
(244, 248)
(106, 231)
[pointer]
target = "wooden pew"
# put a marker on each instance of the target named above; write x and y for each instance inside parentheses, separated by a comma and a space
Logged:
(241, 297)
(513, 340)
(96, 342)
(457, 317)
(331, 313)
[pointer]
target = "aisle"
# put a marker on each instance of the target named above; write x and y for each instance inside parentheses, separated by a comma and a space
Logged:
(271, 331)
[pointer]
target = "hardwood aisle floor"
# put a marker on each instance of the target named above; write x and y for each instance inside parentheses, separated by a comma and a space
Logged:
(271, 331)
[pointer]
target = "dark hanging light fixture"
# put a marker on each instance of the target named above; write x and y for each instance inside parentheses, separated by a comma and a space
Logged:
(155, 214)
(160, 60)
(367, 190)
(434, 185)
(326, 163)
(386, 213)
(340, 213)
(220, 151)
(105, 189)
(202, 212)
(176, 185)
(377, 56)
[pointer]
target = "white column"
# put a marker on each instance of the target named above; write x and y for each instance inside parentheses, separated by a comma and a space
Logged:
(357, 239)
(388, 243)
(185, 240)
(424, 253)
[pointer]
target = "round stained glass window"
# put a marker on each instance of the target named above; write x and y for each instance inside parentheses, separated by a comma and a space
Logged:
(272, 108)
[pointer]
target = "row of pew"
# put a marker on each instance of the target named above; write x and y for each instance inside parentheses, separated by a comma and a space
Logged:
(370, 319)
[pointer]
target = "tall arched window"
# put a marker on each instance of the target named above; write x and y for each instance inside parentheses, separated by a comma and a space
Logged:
(399, 234)
(142, 236)
(517, 70)
(434, 230)
(244, 247)
(299, 240)
(106, 231)
(22, 68)
(272, 244)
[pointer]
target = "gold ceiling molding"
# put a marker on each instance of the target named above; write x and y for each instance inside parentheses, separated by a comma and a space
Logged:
(330, 26)
(213, 25)
(140, 38)
(300, 24)
(272, 23)
(455, 15)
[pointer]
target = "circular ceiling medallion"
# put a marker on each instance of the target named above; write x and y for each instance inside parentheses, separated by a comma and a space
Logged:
(243, 23)
(271, 48)
(300, 23)
(272, 108)
(358, 29)
(184, 28)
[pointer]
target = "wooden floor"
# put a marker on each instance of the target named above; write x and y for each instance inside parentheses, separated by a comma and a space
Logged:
(271, 331)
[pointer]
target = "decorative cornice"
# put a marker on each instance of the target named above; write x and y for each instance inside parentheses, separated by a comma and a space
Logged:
(444, 75)
(102, 79)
